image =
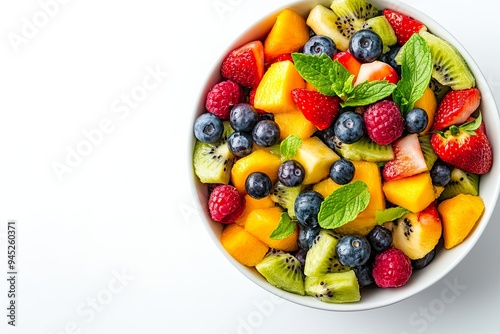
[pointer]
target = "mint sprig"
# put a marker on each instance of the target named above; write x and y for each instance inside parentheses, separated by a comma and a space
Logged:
(416, 71)
(331, 78)
(343, 205)
(286, 227)
(289, 146)
(390, 214)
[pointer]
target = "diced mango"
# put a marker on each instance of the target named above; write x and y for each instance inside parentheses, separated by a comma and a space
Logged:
(242, 246)
(316, 158)
(252, 204)
(294, 123)
(414, 193)
(428, 102)
(459, 215)
(257, 161)
(274, 93)
(262, 222)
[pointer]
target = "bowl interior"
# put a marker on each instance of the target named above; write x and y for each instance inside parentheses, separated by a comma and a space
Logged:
(446, 260)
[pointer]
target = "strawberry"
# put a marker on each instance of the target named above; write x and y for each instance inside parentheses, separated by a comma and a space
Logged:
(465, 147)
(319, 109)
(404, 26)
(349, 62)
(456, 107)
(408, 159)
(245, 65)
(376, 70)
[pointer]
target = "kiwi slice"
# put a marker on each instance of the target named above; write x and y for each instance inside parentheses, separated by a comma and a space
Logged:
(461, 182)
(334, 287)
(383, 28)
(438, 89)
(213, 162)
(283, 271)
(429, 155)
(285, 197)
(321, 258)
(364, 149)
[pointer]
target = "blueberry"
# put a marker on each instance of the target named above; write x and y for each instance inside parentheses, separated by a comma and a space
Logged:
(291, 173)
(266, 116)
(349, 127)
(240, 144)
(380, 238)
(300, 255)
(365, 45)
(342, 171)
(364, 274)
(243, 117)
(327, 136)
(307, 205)
(307, 236)
(416, 120)
(420, 263)
(440, 174)
(258, 185)
(266, 133)
(390, 58)
(208, 128)
(318, 45)
(353, 250)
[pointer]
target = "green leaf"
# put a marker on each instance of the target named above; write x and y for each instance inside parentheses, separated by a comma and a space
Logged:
(286, 227)
(343, 205)
(368, 92)
(390, 214)
(416, 71)
(342, 79)
(473, 125)
(317, 70)
(289, 146)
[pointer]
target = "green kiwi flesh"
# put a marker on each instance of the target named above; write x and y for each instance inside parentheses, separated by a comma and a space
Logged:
(461, 182)
(283, 271)
(364, 149)
(213, 162)
(321, 258)
(334, 287)
(429, 155)
(285, 197)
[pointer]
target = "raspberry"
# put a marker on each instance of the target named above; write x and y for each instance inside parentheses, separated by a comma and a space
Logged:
(222, 97)
(391, 268)
(225, 204)
(384, 122)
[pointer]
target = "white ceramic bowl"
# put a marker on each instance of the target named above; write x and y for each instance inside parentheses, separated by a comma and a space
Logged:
(446, 260)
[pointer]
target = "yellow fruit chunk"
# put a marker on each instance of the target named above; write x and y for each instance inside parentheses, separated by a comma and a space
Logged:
(459, 215)
(322, 21)
(414, 193)
(257, 161)
(252, 204)
(262, 222)
(274, 92)
(289, 34)
(242, 246)
(294, 123)
(428, 102)
(316, 158)
(310, 87)
(369, 173)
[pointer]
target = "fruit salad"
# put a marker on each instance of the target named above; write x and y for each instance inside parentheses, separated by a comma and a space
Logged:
(342, 150)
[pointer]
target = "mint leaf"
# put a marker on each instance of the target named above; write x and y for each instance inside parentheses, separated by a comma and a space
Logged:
(388, 215)
(342, 79)
(289, 146)
(286, 227)
(471, 127)
(368, 92)
(317, 70)
(416, 71)
(343, 205)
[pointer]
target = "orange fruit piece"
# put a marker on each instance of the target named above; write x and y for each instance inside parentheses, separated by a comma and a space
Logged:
(252, 204)
(294, 123)
(242, 246)
(428, 102)
(274, 92)
(414, 193)
(459, 215)
(288, 34)
(262, 222)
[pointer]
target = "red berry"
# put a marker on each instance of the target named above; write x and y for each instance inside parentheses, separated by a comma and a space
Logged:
(384, 122)
(225, 204)
(456, 107)
(245, 65)
(319, 109)
(391, 268)
(404, 26)
(222, 97)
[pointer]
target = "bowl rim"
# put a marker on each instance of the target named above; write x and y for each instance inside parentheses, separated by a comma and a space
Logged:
(389, 297)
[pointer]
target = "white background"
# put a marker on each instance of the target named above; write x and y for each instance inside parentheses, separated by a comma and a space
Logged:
(125, 210)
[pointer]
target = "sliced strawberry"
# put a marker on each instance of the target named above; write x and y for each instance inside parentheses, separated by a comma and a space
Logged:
(377, 70)
(319, 109)
(465, 147)
(349, 62)
(408, 159)
(456, 107)
(403, 26)
(245, 65)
